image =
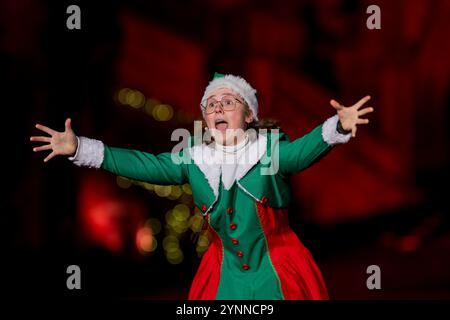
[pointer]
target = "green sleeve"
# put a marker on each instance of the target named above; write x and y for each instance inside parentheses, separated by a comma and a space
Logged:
(142, 166)
(299, 154)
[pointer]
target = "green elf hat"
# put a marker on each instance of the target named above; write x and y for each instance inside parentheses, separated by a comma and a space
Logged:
(235, 83)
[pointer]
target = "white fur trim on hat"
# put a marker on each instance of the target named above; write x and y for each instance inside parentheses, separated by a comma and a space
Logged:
(238, 85)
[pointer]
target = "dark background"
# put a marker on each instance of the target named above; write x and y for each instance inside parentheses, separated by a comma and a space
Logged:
(379, 200)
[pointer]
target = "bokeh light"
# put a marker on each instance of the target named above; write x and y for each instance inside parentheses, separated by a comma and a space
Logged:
(150, 104)
(163, 191)
(170, 243)
(175, 257)
(175, 193)
(154, 224)
(186, 188)
(145, 240)
(162, 112)
(123, 182)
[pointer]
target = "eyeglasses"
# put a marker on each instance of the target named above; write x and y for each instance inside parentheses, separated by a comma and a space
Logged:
(227, 103)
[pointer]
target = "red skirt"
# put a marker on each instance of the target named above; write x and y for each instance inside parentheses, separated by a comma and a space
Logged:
(298, 273)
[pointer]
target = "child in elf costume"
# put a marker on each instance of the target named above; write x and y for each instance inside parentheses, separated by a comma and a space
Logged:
(240, 182)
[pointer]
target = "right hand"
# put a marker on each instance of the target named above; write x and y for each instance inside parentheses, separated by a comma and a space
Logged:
(61, 143)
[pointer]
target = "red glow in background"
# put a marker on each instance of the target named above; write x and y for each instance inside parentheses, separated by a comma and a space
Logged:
(298, 55)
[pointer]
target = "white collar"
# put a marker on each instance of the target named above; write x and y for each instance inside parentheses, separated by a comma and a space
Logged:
(207, 159)
(233, 149)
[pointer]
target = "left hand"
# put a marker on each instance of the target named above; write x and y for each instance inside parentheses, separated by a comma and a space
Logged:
(350, 116)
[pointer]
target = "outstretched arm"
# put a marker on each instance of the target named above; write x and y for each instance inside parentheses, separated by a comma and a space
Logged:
(93, 153)
(301, 153)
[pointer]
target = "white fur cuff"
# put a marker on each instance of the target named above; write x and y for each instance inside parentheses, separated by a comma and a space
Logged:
(330, 134)
(89, 153)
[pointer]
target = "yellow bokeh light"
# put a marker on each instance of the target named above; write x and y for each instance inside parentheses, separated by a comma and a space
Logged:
(175, 193)
(201, 249)
(181, 212)
(162, 191)
(170, 242)
(150, 104)
(203, 241)
(174, 253)
(196, 223)
(135, 98)
(123, 182)
(170, 219)
(122, 95)
(179, 228)
(187, 188)
(175, 257)
(162, 112)
(148, 186)
(176, 260)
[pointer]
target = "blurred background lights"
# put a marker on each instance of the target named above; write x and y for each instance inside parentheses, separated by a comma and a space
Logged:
(123, 182)
(133, 98)
(162, 112)
(186, 188)
(122, 95)
(175, 256)
(170, 243)
(180, 228)
(154, 225)
(181, 212)
(163, 191)
(175, 193)
(150, 104)
(153, 107)
(145, 240)
(149, 186)
(195, 222)
(170, 219)
(203, 241)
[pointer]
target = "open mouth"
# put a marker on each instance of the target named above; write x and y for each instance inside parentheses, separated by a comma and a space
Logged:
(221, 124)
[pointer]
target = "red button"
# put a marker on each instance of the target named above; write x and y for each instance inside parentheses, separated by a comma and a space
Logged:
(233, 226)
(230, 210)
(235, 241)
(204, 207)
(240, 253)
(264, 199)
(245, 266)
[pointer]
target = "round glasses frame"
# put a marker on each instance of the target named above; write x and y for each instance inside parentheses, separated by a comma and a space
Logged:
(227, 103)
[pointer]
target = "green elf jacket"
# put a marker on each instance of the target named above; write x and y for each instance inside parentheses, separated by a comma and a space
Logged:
(254, 254)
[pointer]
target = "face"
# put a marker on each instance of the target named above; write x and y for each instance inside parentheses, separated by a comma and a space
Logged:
(227, 127)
